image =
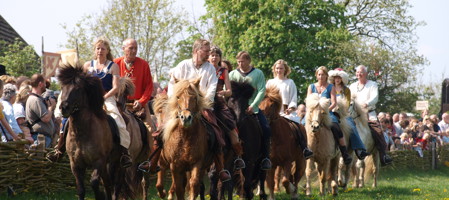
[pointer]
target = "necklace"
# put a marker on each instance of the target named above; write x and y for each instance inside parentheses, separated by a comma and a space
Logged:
(358, 87)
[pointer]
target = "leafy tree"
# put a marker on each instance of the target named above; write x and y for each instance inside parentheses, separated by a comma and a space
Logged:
(20, 59)
(153, 23)
(304, 33)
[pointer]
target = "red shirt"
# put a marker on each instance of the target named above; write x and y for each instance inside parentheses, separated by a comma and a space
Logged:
(140, 74)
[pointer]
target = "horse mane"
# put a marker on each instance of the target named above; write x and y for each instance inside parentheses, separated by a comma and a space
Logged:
(242, 89)
(362, 112)
(314, 100)
(126, 88)
(342, 110)
(160, 105)
(179, 89)
(272, 94)
(92, 86)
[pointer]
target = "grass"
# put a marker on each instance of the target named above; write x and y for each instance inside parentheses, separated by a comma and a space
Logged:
(393, 184)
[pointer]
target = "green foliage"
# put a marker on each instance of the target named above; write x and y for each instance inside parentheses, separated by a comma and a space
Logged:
(304, 33)
(19, 59)
(154, 24)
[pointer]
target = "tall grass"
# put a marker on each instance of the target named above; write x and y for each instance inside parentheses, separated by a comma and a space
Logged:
(393, 184)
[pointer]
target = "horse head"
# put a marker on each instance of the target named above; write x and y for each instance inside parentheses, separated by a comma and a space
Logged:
(79, 91)
(272, 103)
(241, 93)
(187, 101)
(317, 112)
(356, 111)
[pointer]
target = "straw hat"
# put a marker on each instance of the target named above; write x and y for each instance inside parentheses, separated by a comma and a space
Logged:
(338, 72)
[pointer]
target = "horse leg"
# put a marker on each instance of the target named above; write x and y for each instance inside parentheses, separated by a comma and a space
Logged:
(213, 190)
(194, 182)
(362, 174)
(160, 183)
(376, 161)
(107, 182)
(287, 181)
(277, 179)
(333, 176)
(322, 174)
(309, 168)
(79, 173)
(95, 184)
(270, 182)
(262, 177)
(145, 185)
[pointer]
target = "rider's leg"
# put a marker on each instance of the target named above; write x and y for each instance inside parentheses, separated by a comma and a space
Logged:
(355, 141)
(238, 149)
(59, 150)
(266, 140)
(338, 136)
(380, 143)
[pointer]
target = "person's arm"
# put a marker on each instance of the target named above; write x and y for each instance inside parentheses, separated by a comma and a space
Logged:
(115, 79)
(86, 66)
(260, 89)
(9, 129)
(293, 96)
(211, 83)
(309, 90)
(228, 91)
(147, 84)
(373, 96)
(47, 117)
(333, 99)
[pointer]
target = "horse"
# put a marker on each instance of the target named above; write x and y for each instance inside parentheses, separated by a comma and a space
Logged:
(89, 142)
(322, 143)
(360, 116)
(250, 133)
(186, 141)
(140, 140)
(285, 149)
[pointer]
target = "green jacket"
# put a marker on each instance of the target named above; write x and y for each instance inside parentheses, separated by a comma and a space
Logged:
(257, 80)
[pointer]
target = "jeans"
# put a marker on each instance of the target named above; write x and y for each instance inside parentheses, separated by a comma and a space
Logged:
(266, 133)
(354, 138)
(47, 140)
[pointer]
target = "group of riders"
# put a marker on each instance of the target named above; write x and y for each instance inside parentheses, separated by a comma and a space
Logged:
(215, 76)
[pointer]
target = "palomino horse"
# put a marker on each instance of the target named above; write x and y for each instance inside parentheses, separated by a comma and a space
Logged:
(250, 134)
(186, 141)
(360, 116)
(89, 141)
(321, 141)
(285, 149)
(139, 148)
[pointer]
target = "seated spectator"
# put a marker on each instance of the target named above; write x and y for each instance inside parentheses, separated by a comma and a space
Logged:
(8, 98)
(19, 111)
(444, 127)
(406, 141)
(385, 123)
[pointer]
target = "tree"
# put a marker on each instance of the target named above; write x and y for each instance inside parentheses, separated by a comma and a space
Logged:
(153, 23)
(20, 59)
(304, 33)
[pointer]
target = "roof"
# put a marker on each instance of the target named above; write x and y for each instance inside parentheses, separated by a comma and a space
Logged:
(7, 32)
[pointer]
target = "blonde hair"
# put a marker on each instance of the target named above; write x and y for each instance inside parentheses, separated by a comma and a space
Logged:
(105, 42)
(324, 69)
(23, 94)
(287, 70)
(245, 55)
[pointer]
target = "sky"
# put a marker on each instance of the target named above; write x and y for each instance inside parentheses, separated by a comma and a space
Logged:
(34, 19)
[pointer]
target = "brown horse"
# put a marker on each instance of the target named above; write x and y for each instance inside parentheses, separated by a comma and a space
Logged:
(89, 141)
(140, 140)
(250, 133)
(285, 149)
(322, 143)
(186, 142)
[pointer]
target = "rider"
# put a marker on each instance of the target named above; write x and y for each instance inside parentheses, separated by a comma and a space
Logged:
(221, 109)
(255, 77)
(339, 79)
(104, 68)
(287, 90)
(324, 89)
(368, 94)
(191, 69)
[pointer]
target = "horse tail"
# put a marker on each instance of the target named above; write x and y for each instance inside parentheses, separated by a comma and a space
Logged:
(126, 88)
(370, 165)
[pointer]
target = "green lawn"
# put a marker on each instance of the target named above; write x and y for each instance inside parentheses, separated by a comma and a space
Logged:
(393, 184)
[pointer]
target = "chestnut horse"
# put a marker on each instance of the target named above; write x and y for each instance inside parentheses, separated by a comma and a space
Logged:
(89, 142)
(285, 149)
(321, 141)
(250, 133)
(186, 141)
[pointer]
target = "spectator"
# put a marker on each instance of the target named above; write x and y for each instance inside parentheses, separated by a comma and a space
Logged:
(380, 116)
(19, 111)
(39, 111)
(395, 117)
(227, 64)
(301, 111)
(406, 140)
(6, 131)
(8, 98)
(444, 127)
(385, 123)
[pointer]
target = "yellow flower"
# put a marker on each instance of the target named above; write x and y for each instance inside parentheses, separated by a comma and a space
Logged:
(416, 190)
(444, 190)
(348, 190)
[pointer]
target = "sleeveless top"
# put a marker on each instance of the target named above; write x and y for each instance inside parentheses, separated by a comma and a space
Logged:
(326, 93)
(104, 75)
(220, 75)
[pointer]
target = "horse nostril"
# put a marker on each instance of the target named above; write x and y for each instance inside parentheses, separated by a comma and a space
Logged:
(189, 117)
(182, 117)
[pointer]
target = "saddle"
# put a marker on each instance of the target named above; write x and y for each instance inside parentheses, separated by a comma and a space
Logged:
(297, 129)
(114, 130)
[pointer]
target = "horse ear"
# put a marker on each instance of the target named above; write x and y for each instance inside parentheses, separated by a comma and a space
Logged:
(176, 80)
(196, 82)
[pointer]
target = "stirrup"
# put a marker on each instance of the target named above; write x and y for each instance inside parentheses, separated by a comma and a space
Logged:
(141, 166)
(269, 163)
(227, 172)
(238, 159)
(124, 164)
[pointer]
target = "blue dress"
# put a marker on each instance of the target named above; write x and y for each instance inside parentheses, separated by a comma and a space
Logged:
(326, 93)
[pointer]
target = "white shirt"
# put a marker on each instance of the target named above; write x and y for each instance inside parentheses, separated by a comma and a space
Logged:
(287, 89)
(443, 126)
(19, 110)
(368, 94)
(186, 70)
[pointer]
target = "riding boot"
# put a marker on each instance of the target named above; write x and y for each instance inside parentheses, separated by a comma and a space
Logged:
(58, 153)
(238, 162)
(223, 175)
(266, 162)
(303, 145)
(361, 154)
(346, 157)
(149, 166)
(125, 159)
(379, 141)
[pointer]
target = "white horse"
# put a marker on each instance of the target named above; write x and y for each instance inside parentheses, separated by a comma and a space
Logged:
(321, 141)
(360, 116)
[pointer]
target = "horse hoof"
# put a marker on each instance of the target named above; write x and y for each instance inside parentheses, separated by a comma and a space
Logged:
(162, 194)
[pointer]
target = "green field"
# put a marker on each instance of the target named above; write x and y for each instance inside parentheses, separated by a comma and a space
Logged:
(393, 184)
